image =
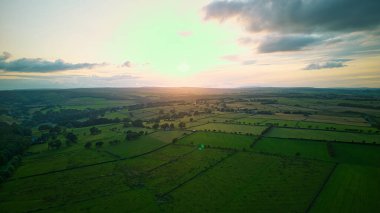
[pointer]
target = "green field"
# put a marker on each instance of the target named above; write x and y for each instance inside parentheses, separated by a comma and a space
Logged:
(357, 154)
(135, 147)
(293, 147)
(244, 150)
(169, 136)
(222, 140)
(324, 135)
(255, 185)
(351, 188)
(231, 128)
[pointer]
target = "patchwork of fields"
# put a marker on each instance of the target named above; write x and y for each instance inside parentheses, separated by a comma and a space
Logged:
(191, 155)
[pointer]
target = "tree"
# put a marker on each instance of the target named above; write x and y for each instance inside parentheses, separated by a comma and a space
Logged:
(95, 131)
(164, 126)
(137, 123)
(132, 135)
(155, 126)
(44, 127)
(55, 144)
(88, 145)
(55, 130)
(191, 119)
(171, 126)
(114, 142)
(182, 125)
(99, 144)
(71, 137)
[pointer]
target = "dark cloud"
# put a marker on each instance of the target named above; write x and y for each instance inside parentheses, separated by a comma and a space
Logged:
(286, 43)
(299, 16)
(38, 65)
(337, 63)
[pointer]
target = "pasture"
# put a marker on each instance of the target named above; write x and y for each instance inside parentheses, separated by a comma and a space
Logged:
(248, 182)
(221, 140)
(352, 188)
(324, 135)
(230, 128)
(293, 148)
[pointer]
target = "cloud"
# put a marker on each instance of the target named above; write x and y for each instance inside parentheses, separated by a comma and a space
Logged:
(232, 58)
(5, 56)
(126, 64)
(299, 16)
(286, 43)
(337, 63)
(39, 65)
(248, 62)
(245, 40)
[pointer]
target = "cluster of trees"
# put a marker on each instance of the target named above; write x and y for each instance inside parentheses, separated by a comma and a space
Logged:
(14, 140)
(133, 123)
(266, 101)
(93, 122)
(152, 104)
(167, 126)
(95, 131)
(55, 143)
(98, 144)
(64, 116)
(299, 112)
(131, 135)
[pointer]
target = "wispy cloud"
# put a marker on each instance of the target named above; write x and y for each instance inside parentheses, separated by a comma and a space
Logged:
(39, 65)
(231, 58)
(248, 62)
(337, 63)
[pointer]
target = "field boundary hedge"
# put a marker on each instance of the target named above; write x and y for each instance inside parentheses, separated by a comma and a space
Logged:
(321, 188)
(89, 165)
(196, 175)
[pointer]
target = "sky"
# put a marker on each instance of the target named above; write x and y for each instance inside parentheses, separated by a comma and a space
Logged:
(182, 43)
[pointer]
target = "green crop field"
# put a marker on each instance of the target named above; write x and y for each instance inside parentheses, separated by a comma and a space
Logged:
(351, 188)
(324, 135)
(248, 182)
(357, 154)
(169, 136)
(135, 147)
(293, 147)
(222, 140)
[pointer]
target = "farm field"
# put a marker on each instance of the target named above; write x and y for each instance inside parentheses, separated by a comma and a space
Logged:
(293, 148)
(356, 154)
(231, 128)
(253, 185)
(142, 150)
(324, 135)
(222, 140)
(351, 188)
